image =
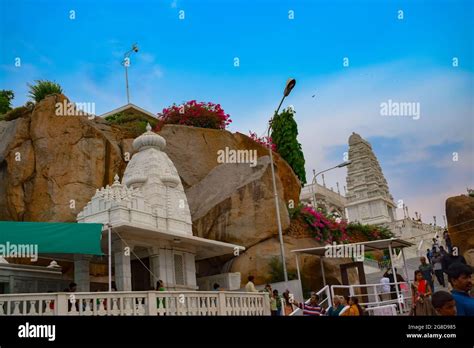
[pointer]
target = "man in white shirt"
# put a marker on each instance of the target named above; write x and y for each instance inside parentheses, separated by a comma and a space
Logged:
(250, 286)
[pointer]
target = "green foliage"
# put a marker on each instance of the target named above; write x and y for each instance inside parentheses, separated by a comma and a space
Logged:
(276, 271)
(132, 122)
(42, 89)
(6, 97)
(15, 113)
(284, 136)
(370, 231)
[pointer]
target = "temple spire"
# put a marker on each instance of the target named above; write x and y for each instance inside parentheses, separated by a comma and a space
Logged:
(369, 199)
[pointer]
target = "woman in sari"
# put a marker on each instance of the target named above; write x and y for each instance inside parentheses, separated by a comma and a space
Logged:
(287, 303)
(421, 292)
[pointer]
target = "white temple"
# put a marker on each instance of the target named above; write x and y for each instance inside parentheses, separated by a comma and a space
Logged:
(151, 222)
(368, 200)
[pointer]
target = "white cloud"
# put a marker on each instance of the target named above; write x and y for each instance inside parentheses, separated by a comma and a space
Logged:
(350, 101)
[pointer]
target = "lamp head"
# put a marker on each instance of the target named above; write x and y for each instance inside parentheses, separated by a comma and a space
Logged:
(289, 86)
(135, 48)
(344, 164)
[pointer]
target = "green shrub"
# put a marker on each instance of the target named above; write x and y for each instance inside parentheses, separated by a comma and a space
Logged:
(16, 113)
(42, 89)
(133, 123)
(276, 271)
(6, 97)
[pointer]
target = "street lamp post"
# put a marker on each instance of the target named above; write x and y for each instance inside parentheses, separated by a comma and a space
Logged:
(340, 165)
(289, 86)
(126, 64)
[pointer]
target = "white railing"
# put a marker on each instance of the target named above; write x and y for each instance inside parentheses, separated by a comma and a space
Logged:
(194, 303)
(402, 300)
(386, 310)
(325, 302)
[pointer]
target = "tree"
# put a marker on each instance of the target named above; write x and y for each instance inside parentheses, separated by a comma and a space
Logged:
(284, 136)
(6, 97)
(42, 89)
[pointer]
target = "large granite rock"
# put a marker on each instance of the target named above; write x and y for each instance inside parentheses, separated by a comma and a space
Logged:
(51, 165)
(235, 203)
(229, 202)
(194, 151)
(48, 161)
(460, 216)
(256, 261)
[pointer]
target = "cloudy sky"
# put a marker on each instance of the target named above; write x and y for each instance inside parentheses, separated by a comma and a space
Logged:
(188, 50)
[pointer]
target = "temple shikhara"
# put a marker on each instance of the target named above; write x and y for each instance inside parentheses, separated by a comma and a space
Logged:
(368, 198)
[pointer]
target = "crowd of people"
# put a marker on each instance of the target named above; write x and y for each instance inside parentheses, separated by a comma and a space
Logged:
(458, 301)
(425, 300)
(285, 304)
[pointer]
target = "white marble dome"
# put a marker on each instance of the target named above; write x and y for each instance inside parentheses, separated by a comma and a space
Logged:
(152, 172)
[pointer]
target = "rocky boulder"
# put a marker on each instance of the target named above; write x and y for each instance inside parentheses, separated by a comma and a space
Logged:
(257, 259)
(460, 216)
(51, 165)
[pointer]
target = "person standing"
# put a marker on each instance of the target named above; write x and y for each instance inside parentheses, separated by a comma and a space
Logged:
(444, 304)
(275, 303)
(438, 268)
(459, 275)
(355, 309)
(450, 259)
(447, 241)
(336, 308)
(421, 291)
(250, 286)
(287, 303)
(384, 292)
(313, 308)
(429, 254)
(427, 271)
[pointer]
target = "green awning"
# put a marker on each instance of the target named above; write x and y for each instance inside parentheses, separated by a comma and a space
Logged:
(53, 237)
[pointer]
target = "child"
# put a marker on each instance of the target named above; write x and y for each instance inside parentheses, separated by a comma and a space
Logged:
(459, 275)
(444, 304)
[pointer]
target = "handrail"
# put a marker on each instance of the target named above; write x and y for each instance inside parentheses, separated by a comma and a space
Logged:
(136, 303)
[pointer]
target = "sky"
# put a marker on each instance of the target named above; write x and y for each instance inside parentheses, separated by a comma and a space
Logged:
(348, 58)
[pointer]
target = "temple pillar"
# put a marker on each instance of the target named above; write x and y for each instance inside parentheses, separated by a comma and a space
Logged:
(123, 270)
(82, 272)
(154, 253)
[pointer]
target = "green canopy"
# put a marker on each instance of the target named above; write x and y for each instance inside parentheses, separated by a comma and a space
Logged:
(53, 237)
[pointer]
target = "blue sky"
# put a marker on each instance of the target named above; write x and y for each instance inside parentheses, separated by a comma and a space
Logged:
(407, 60)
